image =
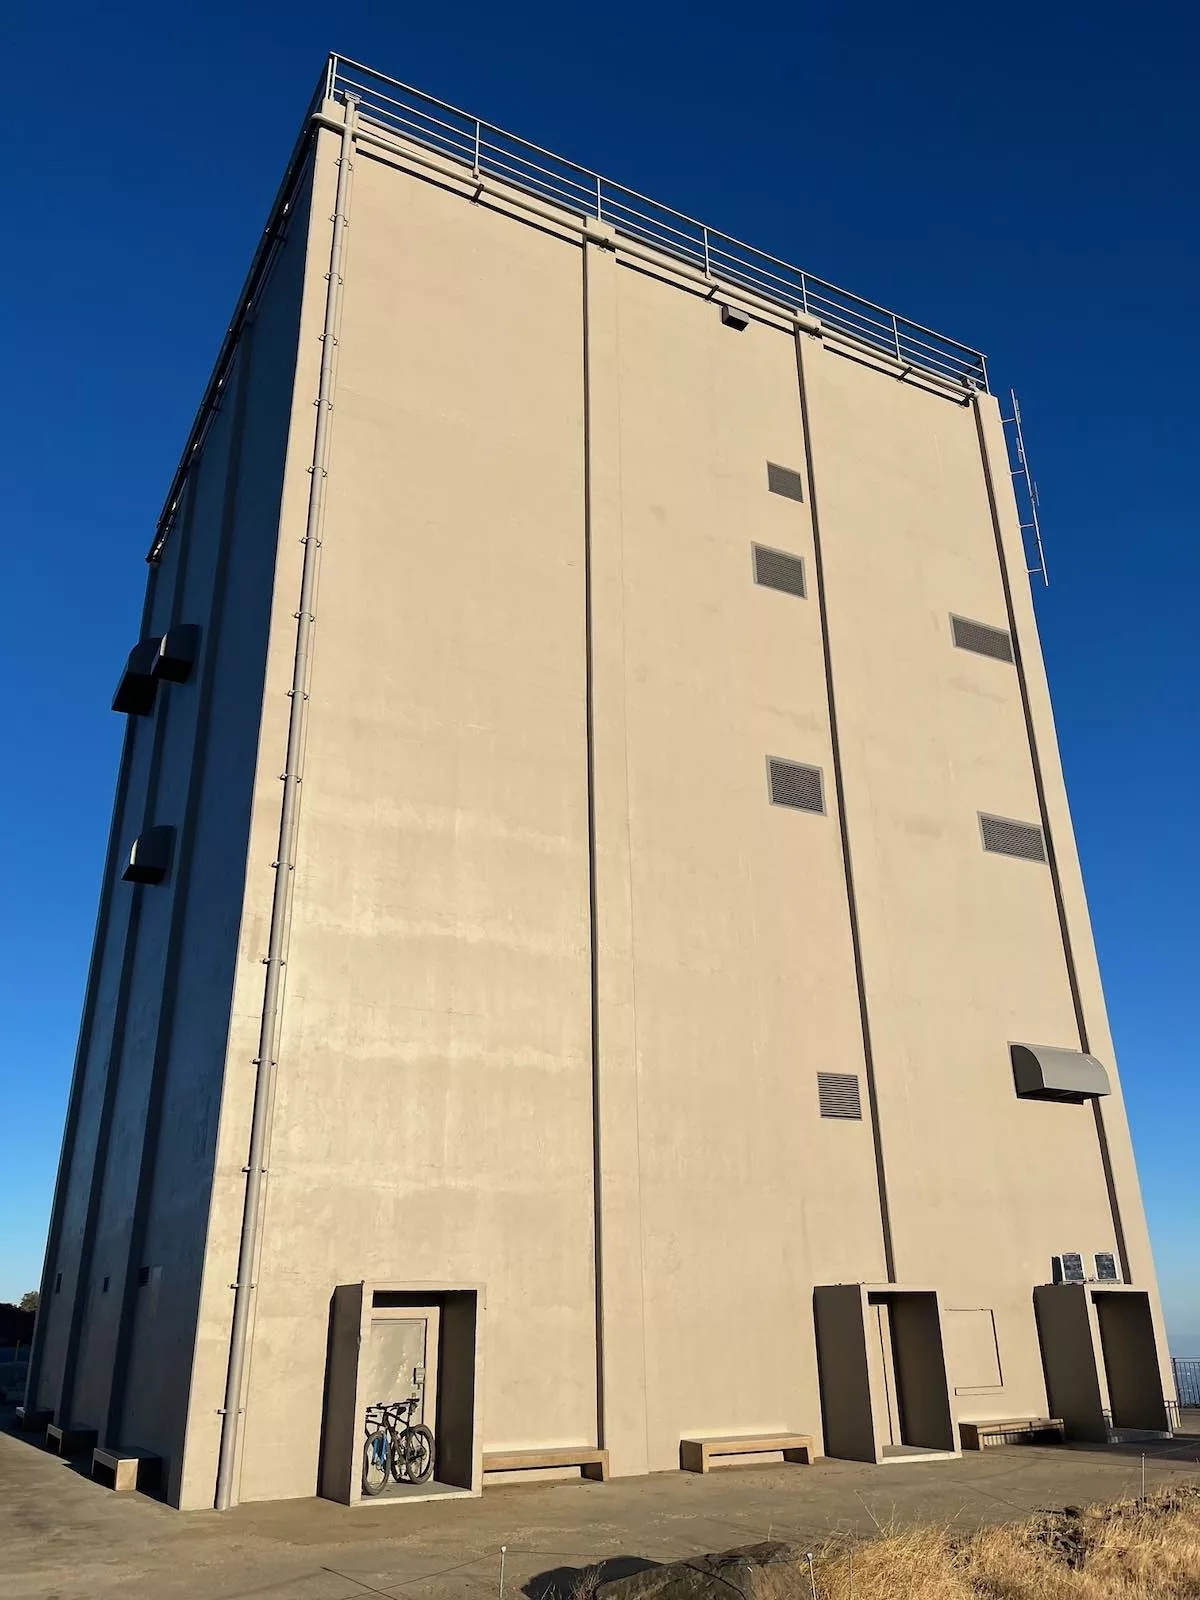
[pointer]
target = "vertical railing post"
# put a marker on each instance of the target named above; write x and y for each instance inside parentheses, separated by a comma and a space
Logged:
(896, 336)
(804, 293)
(478, 143)
(599, 200)
(707, 264)
(330, 77)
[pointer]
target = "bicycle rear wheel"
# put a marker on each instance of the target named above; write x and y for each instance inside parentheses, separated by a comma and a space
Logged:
(375, 1462)
(415, 1447)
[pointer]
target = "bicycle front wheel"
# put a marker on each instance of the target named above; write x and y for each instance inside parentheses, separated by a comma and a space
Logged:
(375, 1462)
(415, 1448)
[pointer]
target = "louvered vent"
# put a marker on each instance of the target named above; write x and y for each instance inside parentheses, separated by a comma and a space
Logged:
(838, 1095)
(785, 481)
(774, 569)
(1106, 1267)
(1068, 1267)
(802, 788)
(1006, 838)
(982, 639)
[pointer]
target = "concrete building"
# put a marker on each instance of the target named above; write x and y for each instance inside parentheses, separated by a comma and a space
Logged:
(658, 1001)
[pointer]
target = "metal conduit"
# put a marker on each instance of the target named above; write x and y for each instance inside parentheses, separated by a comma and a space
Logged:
(285, 855)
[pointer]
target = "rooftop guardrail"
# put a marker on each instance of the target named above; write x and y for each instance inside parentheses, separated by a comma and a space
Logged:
(486, 150)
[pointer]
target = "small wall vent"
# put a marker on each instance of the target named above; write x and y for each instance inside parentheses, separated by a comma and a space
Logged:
(838, 1096)
(1106, 1267)
(1068, 1268)
(1004, 837)
(150, 856)
(785, 481)
(801, 788)
(177, 653)
(733, 318)
(135, 693)
(775, 569)
(981, 638)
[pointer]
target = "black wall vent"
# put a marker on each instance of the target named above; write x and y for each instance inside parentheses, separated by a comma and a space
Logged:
(733, 318)
(136, 690)
(802, 788)
(838, 1095)
(1003, 837)
(150, 857)
(785, 481)
(775, 569)
(981, 638)
(1068, 1268)
(177, 653)
(1106, 1267)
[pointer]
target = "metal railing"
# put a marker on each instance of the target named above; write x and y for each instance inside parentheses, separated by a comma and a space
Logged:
(1187, 1379)
(488, 151)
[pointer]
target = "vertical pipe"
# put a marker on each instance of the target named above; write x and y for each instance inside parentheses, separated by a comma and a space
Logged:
(589, 681)
(285, 855)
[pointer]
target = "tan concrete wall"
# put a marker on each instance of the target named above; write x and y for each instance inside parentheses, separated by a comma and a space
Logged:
(432, 1114)
(742, 974)
(962, 949)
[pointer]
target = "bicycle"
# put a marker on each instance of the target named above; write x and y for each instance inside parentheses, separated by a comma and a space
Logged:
(396, 1446)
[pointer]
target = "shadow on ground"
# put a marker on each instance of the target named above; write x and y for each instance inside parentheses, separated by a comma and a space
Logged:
(561, 1582)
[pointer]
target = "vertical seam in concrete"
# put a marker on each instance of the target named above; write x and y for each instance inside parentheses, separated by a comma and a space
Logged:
(74, 1102)
(113, 1074)
(593, 913)
(885, 1221)
(1043, 812)
(183, 878)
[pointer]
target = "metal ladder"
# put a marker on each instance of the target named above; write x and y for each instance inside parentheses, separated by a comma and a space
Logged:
(1026, 492)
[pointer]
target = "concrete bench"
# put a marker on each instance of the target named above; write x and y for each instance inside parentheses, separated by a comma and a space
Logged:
(1012, 1430)
(695, 1455)
(127, 1469)
(30, 1418)
(68, 1441)
(592, 1463)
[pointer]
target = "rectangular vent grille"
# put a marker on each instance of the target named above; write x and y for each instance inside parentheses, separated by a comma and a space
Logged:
(774, 569)
(1106, 1267)
(982, 639)
(1006, 838)
(785, 481)
(838, 1095)
(802, 788)
(1068, 1267)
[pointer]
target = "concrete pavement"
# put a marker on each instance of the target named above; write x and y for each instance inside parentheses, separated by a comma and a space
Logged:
(63, 1537)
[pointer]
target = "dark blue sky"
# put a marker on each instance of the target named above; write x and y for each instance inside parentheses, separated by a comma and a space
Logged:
(1023, 177)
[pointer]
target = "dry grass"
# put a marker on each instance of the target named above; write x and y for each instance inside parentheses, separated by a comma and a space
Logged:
(1127, 1551)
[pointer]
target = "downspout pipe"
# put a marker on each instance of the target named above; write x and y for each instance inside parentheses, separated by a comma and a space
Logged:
(285, 855)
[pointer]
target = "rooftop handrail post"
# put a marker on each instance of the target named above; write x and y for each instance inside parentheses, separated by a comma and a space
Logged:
(599, 199)
(804, 293)
(330, 76)
(707, 266)
(896, 336)
(478, 143)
